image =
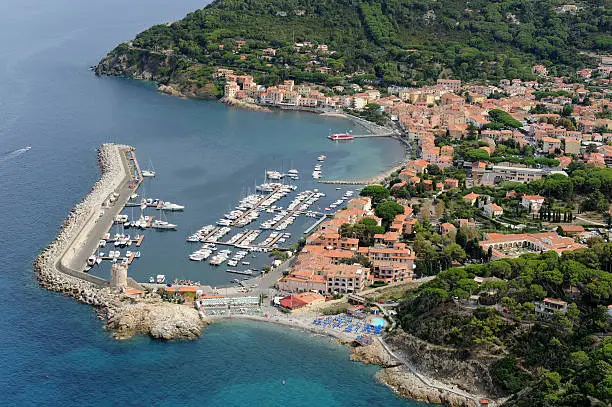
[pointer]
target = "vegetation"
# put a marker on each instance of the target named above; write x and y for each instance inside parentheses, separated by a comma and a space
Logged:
(376, 41)
(560, 359)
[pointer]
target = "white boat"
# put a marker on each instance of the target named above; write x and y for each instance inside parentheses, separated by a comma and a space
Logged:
(321, 157)
(293, 172)
(169, 206)
(162, 225)
(149, 173)
(275, 175)
(151, 279)
(91, 260)
(102, 243)
(161, 278)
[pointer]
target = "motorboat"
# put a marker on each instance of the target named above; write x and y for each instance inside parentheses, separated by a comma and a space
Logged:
(162, 225)
(321, 157)
(161, 279)
(169, 206)
(91, 260)
(148, 173)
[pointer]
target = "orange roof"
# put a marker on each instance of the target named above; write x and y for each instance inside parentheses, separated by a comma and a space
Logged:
(471, 196)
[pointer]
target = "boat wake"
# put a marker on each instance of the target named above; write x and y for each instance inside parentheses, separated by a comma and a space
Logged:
(13, 154)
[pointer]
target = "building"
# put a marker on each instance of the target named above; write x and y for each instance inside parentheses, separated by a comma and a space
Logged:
(452, 84)
(516, 174)
(572, 146)
(513, 245)
(471, 198)
(549, 306)
(346, 279)
(492, 210)
(446, 228)
(532, 203)
(118, 277)
(301, 300)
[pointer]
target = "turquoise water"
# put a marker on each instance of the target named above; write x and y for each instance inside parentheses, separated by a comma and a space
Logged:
(55, 351)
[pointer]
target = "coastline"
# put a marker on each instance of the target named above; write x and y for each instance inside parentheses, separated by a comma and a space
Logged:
(55, 267)
(395, 371)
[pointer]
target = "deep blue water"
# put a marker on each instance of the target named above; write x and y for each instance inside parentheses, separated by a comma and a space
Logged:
(55, 351)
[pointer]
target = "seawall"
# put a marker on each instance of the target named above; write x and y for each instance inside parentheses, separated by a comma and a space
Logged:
(59, 266)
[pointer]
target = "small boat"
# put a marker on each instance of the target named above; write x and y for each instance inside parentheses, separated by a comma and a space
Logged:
(149, 173)
(321, 157)
(28, 148)
(161, 278)
(246, 263)
(151, 279)
(91, 260)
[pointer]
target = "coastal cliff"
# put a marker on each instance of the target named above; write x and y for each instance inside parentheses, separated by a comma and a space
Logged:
(126, 316)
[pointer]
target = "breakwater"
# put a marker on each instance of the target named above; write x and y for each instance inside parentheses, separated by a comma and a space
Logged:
(59, 266)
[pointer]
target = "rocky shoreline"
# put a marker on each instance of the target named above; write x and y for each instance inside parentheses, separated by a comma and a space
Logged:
(125, 316)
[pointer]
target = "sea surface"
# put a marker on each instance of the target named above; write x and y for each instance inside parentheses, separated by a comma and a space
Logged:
(54, 351)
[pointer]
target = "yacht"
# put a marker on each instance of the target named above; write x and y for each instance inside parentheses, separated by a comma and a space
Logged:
(275, 175)
(148, 173)
(169, 206)
(293, 171)
(163, 225)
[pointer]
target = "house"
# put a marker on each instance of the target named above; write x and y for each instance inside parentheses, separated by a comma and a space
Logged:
(296, 301)
(532, 203)
(471, 198)
(450, 183)
(492, 210)
(572, 146)
(570, 230)
(446, 228)
(549, 306)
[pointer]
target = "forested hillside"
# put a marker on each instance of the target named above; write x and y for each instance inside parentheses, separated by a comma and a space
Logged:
(387, 41)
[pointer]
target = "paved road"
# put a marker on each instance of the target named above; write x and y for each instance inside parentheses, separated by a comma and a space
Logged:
(86, 243)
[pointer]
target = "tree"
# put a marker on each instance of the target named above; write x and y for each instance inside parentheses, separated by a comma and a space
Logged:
(454, 252)
(387, 211)
(378, 193)
(461, 238)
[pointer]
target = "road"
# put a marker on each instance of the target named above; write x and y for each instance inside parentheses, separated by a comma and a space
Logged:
(86, 243)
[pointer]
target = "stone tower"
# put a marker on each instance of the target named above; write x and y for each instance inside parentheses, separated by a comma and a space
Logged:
(118, 277)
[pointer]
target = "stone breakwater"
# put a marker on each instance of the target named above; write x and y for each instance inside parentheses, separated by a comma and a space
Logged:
(127, 316)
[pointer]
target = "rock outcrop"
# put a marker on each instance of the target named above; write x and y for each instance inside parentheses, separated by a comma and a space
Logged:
(160, 320)
(243, 105)
(406, 384)
(448, 365)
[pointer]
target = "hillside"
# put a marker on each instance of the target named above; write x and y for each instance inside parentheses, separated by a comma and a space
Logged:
(543, 357)
(379, 41)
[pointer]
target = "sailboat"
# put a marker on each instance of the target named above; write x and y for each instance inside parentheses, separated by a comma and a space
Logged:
(163, 224)
(150, 172)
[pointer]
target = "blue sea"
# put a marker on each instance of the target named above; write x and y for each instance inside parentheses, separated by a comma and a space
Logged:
(54, 351)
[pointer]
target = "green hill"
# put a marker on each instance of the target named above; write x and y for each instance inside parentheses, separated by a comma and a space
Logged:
(383, 41)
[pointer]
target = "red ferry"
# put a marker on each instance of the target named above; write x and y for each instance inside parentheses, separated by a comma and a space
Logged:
(340, 136)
